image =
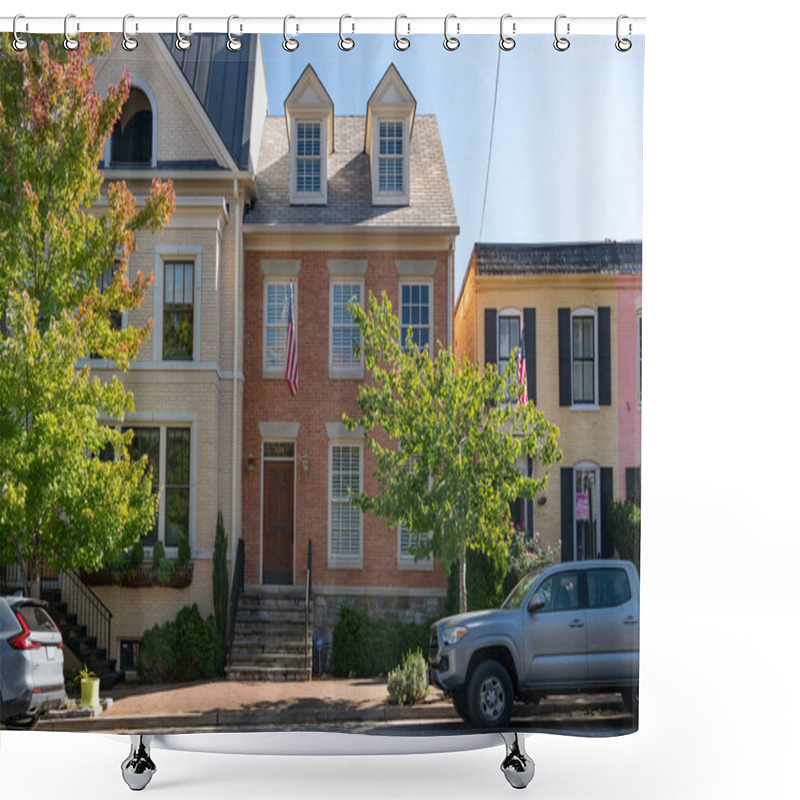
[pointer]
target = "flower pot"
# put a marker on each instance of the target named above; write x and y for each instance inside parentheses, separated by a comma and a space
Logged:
(90, 692)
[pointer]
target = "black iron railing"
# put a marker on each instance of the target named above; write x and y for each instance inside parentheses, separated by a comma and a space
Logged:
(308, 609)
(89, 609)
(237, 585)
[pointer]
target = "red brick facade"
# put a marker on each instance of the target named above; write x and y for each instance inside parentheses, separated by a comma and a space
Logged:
(321, 399)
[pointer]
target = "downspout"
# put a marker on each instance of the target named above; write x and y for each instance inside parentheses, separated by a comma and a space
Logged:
(234, 538)
(450, 281)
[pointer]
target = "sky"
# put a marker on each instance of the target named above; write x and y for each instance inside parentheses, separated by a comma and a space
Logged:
(566, 153)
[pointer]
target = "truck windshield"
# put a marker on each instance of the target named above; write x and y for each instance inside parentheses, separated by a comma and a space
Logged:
(520, 591)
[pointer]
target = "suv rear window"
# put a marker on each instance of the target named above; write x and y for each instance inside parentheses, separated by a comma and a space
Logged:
(608, 587)
(8, 622)
(37, 619)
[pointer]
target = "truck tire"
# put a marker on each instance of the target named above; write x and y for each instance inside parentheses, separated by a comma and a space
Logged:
(490, 696)
(630, 697)
(459, 698)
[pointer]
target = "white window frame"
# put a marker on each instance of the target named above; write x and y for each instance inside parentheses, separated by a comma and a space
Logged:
(273, 372)
(587, 466)
(390, 198)
(163, 254)
(138, 83)
(309, 198)
(355, 369)
(416, 282)
(507, 313)
(595, 405)
(337, 560)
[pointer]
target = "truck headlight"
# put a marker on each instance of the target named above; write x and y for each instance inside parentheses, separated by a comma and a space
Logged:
(452, 635)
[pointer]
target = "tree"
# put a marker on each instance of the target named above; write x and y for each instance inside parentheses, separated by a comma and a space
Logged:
(70, 495)
(446, 440)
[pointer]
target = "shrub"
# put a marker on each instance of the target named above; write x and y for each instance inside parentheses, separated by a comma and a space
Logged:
(187, 649)
(184, 550)
(365, 647)
(625, 529)
(408, 683)
(220, 579)
(137, 554)
(159, 554)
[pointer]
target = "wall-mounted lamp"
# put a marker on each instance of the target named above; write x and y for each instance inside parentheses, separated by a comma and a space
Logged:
(541, 499)
(251, 463)
(305, 464)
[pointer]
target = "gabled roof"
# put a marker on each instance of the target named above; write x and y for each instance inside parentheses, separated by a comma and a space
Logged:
(308, 93)
(391, 91)
(349, 201)
(224, 82)
(603, 258)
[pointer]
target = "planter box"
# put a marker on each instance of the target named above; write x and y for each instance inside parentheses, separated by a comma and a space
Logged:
(145, 576)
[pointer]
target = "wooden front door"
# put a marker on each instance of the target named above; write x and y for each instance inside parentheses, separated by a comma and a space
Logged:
(278, 526)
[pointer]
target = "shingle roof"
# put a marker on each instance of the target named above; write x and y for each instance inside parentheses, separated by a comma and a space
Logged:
(605, 258)
(349, 183)
(221, 80)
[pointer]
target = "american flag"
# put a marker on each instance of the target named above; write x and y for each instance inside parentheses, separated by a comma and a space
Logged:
(291, 347)
(522, 376)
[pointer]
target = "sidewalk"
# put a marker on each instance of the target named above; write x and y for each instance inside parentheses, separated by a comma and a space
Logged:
(263, 704)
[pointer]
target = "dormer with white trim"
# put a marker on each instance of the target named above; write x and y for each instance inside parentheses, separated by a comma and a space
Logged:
(390, 120)
(309, 127)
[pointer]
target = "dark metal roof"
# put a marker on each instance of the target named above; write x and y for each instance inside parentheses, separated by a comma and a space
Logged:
(222, 81)
(604, 258)
(349, 182)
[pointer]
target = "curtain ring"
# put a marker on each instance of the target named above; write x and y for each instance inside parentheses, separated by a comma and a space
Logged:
(561, 43)
(400, 42)
(623, 45)
(289, 44)
(345, 42)
(181, 42)
(234, 44)
(507, 42)
(70, 42)
(19, 43)
(128, 42)
(451, 42)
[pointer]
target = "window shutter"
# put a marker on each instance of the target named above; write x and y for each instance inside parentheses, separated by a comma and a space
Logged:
(633, 483)
(604, 352)
(490, 336)
(606, 497)
(529, 324)
(567, 511)
(564, 359)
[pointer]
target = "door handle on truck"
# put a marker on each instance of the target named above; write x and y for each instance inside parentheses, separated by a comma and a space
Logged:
(630, 621)
(576, 623)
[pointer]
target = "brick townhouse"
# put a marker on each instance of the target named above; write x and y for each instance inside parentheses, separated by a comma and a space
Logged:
(347, 206)
(577, 311)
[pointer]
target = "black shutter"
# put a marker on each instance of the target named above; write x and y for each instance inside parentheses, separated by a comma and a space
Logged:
(633, 484)
(567, 511)
(564, 358)
(529, 324)
(490, 336)
(606, 497)
(604, 351)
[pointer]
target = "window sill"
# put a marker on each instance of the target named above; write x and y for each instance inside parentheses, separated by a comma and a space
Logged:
(346, 373)
(340, 563)
(409, 565)
(585, 407)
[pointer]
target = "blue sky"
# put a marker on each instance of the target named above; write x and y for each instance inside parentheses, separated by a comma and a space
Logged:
(566, 162)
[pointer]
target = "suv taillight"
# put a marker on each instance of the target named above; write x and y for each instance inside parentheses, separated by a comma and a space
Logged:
(22, 641)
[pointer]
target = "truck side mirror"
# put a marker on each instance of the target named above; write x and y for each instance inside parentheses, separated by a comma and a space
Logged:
(537, 603)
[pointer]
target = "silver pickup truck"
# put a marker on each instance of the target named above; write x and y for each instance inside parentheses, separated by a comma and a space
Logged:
(570, 628)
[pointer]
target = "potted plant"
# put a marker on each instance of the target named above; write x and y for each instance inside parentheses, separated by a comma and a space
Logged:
(90, 688)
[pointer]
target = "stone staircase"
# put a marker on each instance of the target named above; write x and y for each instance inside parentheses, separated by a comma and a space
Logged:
(270, 642)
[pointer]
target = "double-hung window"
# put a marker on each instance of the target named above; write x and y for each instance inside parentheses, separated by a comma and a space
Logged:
(509, 329)
(178, 329)
(106, 279)
(344, 332)
(345, 518)
(308, 167)
(390, 157)
(583, 359)
(415, 313)
(276, 319)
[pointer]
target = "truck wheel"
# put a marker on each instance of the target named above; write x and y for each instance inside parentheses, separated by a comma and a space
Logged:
(631, 699)
(490, 696)
(459, 698)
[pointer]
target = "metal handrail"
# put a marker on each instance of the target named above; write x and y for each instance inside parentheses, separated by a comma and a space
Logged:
(308, 608)
(237, 584)
(89, 609)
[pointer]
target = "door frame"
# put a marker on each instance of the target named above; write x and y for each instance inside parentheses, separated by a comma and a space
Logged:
(293, 460)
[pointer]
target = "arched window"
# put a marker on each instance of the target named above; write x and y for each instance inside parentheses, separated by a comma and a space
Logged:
(132, 138)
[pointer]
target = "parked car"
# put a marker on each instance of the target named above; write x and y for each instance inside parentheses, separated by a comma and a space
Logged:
(570, 628)
(31, 662)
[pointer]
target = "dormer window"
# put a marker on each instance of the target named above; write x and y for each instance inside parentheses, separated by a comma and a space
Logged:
(309, 126)
(132, 141)
(390, 121)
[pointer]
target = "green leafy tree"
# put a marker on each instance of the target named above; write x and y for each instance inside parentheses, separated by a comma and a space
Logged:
(446, 437)
(70, 495)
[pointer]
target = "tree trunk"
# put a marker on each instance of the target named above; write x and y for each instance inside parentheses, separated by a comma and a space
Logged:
(35, 566)
(462, 581)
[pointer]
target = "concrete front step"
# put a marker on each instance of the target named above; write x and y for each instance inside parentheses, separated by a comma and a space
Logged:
(271, 645)
(270, 602)
(275, 658)
(246, 672)
(270, 615)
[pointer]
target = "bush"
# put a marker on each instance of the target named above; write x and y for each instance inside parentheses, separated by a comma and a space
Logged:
(625, 529)
(184, 550)
(137, 554)
(188, 649)
(408, 683)
(365, 647)
(159, 554)
(220, 579)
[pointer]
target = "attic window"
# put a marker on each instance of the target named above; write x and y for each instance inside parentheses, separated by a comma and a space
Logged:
(390, 157)
(132, 138)
(309, 158)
